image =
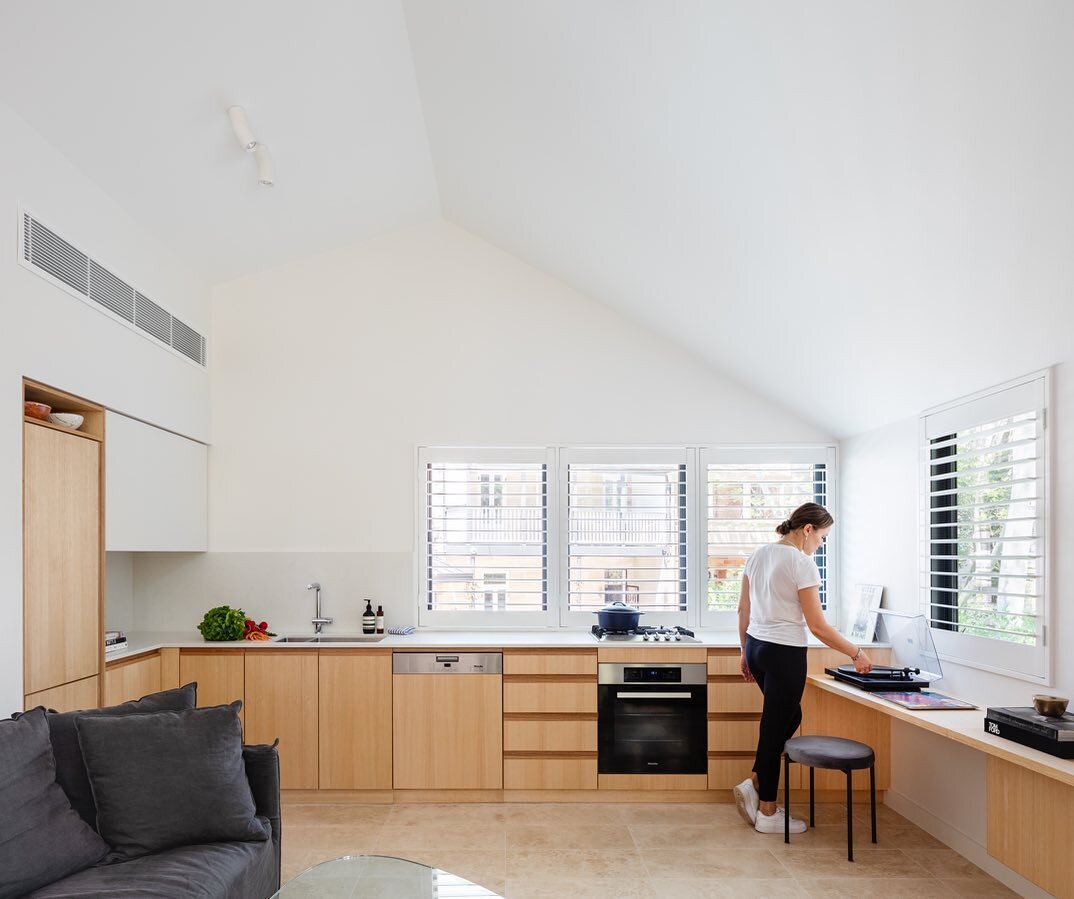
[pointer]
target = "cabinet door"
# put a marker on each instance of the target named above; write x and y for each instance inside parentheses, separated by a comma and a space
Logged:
(281, 701)
(155, 489)
(62, 558)
(448, 731)
(355, 720)
(81, 694)
(131, 679)
(220, 675)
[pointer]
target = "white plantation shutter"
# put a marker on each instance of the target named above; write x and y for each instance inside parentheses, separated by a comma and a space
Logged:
(626, 515)
(748, 493)
(983, 527)
(485, 525)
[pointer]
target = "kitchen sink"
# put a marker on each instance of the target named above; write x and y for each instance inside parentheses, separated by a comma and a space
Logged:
(334, 638)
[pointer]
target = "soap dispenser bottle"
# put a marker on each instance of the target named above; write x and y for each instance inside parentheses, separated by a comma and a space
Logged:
(369, 620)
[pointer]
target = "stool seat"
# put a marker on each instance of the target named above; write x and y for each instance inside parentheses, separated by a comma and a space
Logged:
(830, 752)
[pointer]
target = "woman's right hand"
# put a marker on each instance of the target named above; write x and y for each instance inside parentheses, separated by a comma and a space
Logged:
(746, 674)
(862, 664)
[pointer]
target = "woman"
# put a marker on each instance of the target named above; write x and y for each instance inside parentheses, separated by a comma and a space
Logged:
(780, 599)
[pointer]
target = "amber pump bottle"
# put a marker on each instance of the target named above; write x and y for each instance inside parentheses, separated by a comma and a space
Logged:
(369, 620)
(380, 619)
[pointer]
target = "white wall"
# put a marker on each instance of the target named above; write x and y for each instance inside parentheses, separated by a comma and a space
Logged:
(52, 337)
(879, 526)
(329, 372)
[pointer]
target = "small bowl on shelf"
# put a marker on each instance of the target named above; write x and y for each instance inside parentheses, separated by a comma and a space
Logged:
(1050, 706)
(39, 411)
(67, 419)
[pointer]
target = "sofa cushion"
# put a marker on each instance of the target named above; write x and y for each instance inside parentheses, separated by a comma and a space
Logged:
(41, 837)
(220, 871)
(71, 770)
(169, 779)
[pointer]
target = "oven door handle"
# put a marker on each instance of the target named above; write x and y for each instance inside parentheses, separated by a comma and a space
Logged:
(640, 695)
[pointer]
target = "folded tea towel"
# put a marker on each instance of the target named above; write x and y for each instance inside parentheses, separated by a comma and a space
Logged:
(402, 631)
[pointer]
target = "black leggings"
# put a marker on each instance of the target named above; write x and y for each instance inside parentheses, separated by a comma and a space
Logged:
(780, 672)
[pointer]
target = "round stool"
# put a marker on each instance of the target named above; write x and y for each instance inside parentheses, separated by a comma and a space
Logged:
(832, 753)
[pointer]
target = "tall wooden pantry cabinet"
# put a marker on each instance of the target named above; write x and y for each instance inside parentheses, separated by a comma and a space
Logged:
(63, 554)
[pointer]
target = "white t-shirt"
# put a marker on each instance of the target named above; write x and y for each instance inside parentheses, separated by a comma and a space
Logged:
(776, 573)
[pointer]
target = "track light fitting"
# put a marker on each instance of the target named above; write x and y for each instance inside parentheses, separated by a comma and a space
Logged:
(266, 173)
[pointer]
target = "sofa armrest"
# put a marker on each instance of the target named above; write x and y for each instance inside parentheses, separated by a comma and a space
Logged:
(263, 773)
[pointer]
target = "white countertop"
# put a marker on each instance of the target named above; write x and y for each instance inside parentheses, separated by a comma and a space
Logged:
(147, 641)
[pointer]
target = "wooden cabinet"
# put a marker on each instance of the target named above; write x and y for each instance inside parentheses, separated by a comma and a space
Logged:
(62, 635)
(156, 489)
(80, 694)
(128, 679)
(550, 719)
(355, 719)
(219, 673)
(447, 731)
(281, 701)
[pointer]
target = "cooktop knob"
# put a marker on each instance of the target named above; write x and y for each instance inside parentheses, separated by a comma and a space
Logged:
(678, 636)
(645, 637)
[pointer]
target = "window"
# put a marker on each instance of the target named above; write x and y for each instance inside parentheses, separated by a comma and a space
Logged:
(749, 492)
(484, 536)
(984, 521)
(545, 537)
(633, 549)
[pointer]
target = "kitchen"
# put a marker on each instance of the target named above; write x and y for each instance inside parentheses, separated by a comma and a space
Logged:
(331, 362)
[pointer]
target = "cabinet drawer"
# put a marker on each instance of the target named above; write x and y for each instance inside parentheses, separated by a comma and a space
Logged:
(583, 661)
(727, 773)
(550, 736)
(735, 697)
(550, 696)
(725, 661)
(549, 774)
(132, 679)
(733, 736)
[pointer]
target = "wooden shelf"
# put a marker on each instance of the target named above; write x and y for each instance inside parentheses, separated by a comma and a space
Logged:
(61, 401)
(56, 427)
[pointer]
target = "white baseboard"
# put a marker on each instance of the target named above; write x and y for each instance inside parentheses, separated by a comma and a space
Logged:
(963, 844)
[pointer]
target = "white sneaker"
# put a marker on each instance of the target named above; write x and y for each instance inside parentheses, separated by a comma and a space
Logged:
(774, 823)
(747, 800)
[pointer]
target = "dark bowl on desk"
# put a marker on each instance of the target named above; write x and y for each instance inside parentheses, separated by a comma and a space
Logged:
(1050, 706)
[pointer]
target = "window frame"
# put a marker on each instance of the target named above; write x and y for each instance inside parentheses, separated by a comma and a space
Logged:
(761, 454)
(557, 614)
(1029, 663)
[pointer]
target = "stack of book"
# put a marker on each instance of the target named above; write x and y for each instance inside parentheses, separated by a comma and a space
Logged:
(114, 641)
(1024, 725)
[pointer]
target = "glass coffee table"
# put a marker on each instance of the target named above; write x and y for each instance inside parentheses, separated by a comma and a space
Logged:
(380, 877)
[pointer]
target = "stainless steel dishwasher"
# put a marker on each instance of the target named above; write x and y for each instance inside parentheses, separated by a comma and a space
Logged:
(447, 720)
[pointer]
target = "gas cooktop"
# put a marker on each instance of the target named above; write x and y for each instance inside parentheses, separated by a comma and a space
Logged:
(645, 635)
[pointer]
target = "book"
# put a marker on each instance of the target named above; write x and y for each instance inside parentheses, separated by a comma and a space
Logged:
(1027, 718)
(115, 645)
(1017, 734)
(926, 699)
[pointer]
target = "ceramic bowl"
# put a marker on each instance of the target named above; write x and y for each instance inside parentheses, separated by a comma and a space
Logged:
(36, 410)
(1051, 706)
(67, 419)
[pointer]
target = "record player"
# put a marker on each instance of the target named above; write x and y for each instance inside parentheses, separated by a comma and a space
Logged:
(881, 678)
(913, 654)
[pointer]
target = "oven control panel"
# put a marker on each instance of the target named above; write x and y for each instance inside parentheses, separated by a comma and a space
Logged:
(642, 675)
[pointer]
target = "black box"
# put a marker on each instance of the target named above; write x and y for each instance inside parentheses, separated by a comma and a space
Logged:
(1008, 731)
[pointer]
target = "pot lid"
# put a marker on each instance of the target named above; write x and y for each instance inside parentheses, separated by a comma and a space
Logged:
(618, 607)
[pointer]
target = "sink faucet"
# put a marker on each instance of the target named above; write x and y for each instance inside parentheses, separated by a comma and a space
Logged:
(319, 620)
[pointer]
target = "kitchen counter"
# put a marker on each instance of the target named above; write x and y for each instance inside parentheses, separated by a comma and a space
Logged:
(148, 641)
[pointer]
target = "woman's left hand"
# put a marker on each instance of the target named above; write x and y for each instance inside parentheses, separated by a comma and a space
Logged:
(746, 676)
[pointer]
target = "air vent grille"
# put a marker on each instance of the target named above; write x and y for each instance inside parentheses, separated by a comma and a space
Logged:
(49, 254)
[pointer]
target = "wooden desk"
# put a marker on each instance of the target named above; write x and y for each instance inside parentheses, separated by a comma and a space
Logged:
(1030, 793)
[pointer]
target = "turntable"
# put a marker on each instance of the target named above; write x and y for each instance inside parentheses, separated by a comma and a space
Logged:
(881, 678)
(915, 663)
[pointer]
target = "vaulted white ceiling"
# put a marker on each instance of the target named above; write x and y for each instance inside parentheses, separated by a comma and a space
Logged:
(858, 209)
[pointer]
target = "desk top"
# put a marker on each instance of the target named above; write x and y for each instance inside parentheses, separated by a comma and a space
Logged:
(965, 727)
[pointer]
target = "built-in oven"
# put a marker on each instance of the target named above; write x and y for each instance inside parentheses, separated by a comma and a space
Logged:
(652, 718)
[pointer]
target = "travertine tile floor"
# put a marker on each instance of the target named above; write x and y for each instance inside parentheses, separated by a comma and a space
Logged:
(629, 851)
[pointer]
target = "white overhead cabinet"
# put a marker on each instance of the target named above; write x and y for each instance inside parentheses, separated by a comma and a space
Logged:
(155, 489)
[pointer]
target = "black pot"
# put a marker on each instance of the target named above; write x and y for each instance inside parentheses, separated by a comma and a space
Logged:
(617, 616)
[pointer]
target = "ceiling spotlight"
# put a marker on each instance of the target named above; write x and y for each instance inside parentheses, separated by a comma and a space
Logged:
(266, 173)
(241, 128)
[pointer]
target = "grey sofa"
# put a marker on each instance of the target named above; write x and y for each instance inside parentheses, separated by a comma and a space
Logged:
(237, 869)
